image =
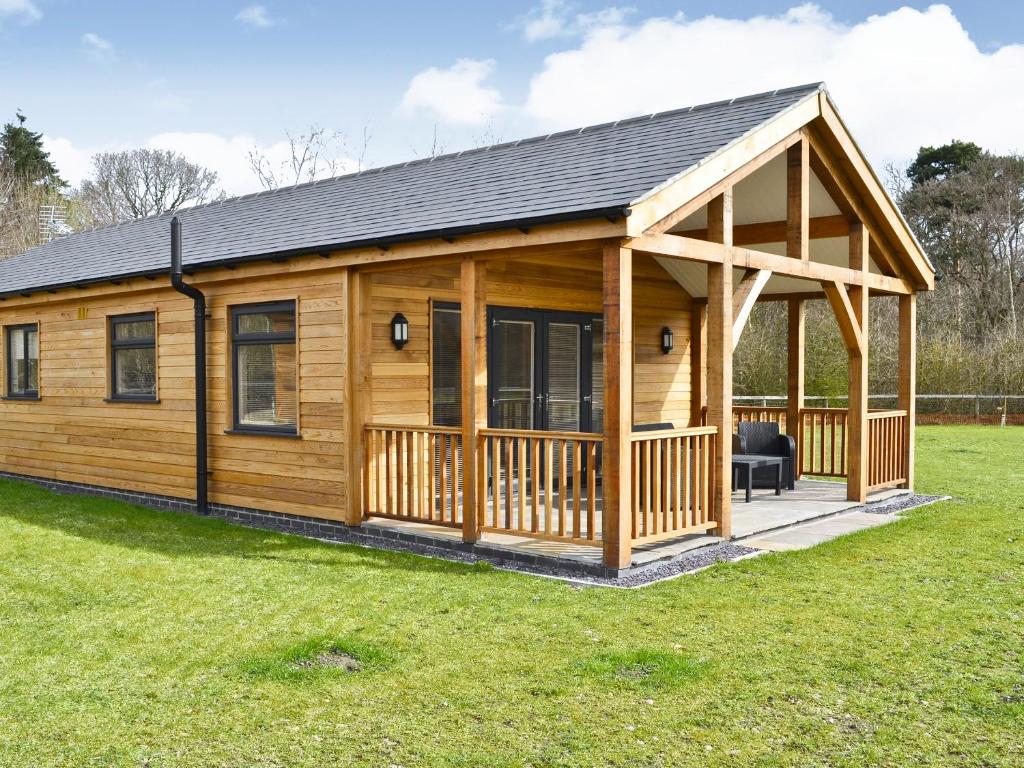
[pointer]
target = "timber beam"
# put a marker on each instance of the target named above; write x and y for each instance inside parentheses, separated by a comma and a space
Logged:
(761, 232)
(676, 247)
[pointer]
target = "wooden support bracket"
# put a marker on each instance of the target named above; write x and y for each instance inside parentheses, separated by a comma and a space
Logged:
(744, 298)
(849, 325)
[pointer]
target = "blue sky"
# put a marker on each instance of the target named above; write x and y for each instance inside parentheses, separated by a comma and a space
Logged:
(214, 79)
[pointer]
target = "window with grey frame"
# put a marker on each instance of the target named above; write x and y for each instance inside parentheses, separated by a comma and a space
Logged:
(23, 361)
(264, 368)
(133, 357)
(445, 368)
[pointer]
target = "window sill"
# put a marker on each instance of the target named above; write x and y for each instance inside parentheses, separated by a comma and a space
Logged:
(132, 400)
(262, 433)
(30, 398)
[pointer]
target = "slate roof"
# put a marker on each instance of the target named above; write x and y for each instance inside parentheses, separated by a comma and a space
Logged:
(572, 175)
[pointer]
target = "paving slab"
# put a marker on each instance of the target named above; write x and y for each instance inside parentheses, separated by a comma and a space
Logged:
(810, 534)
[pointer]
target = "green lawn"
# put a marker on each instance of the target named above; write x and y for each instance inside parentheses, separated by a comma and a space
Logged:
(131, 637)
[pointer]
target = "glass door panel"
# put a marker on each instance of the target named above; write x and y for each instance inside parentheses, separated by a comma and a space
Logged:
(597, 377)
(562, 363)
(513, 389)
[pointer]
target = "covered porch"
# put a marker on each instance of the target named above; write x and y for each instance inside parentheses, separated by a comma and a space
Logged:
(790, 218)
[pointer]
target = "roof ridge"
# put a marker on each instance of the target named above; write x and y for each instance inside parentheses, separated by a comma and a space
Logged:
(464, 152)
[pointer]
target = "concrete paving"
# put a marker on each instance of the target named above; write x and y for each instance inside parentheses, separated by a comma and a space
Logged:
(809, 534)
(811, 499)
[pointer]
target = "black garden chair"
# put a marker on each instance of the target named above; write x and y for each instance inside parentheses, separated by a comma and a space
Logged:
(762, 438)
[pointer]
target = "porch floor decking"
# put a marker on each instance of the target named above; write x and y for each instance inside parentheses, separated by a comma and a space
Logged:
(811, 500)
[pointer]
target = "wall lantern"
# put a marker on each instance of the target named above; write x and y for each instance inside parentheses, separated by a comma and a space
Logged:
(666, 340)
(399, 330)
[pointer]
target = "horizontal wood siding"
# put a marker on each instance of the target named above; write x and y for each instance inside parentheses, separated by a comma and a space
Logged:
(568, 282)
(72, 435)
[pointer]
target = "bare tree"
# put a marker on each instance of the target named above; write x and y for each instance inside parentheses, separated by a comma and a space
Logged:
(312, 155)
(141, 182)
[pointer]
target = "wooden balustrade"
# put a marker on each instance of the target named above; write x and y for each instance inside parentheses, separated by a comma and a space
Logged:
(822, 442)
(887, 450)
(541, 484)
(413, 473)
(743, 413)
(672, 482)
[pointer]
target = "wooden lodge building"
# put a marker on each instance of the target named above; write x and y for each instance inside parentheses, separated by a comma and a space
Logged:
(532, 339)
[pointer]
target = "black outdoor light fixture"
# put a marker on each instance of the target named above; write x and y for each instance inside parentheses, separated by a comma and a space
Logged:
(666, 339)
(399, 330)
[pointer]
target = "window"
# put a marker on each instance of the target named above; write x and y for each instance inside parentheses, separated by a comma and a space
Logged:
(133, 357)
(264, 370)
(446, 371)
(23, 361)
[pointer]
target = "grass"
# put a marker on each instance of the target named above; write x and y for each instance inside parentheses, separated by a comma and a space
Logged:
(137, 638)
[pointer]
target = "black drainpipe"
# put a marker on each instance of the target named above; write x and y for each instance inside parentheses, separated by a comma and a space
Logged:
(199, 303)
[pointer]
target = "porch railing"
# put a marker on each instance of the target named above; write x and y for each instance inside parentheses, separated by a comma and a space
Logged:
(887, 455)
(541, 484)
(413, 473)
(673, 482)
(822, 441)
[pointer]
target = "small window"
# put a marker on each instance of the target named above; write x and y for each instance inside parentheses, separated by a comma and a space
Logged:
(264, 369)
(445, 368)
(133, 357)
(23, 361)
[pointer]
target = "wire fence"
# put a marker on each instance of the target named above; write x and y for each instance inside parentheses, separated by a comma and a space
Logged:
(1002, 410)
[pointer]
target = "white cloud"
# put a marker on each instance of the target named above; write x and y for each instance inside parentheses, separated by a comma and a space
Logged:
(255, 16)
(556, 18)
(97, 48)
(24, 11)
(227, 155)
(901, 79)
(454, 95)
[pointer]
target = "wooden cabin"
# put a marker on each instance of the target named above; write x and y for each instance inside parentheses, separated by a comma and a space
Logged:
(534, 338)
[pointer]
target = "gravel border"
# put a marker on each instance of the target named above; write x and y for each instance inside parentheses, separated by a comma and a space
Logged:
(897, 504)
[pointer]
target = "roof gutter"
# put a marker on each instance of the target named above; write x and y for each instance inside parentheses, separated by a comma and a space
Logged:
(199, 332)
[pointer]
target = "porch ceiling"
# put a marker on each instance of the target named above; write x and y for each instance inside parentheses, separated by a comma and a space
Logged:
(759, 198)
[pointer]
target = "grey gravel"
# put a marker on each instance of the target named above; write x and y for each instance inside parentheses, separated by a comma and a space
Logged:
(898, 504)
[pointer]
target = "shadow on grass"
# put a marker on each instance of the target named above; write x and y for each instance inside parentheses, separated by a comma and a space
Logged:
(177, 534)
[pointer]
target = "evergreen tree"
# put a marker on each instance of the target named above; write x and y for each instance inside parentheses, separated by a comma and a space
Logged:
(942, 162)
(21, 150)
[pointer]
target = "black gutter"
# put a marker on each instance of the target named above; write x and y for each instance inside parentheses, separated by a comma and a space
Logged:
(616, 212)
(199, 304)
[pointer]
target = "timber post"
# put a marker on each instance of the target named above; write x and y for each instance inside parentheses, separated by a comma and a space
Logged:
(719, 359)
(358, 390)
(617, 290)
(473, 368)
(795, 378)
(858, 459)
(908, 380)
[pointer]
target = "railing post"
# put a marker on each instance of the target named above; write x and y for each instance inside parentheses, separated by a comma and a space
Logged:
(795, 379)
(474, 389)
(358, 390)
(719, 360)
(908, 379)
(858, 457)
(617, 266)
